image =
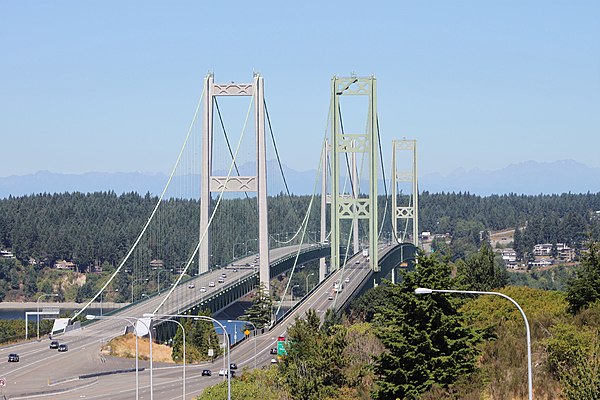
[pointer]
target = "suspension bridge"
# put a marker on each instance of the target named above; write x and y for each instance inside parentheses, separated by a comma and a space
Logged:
(355, 229)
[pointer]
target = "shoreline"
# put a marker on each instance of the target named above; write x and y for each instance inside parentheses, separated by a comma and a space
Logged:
(17, 305)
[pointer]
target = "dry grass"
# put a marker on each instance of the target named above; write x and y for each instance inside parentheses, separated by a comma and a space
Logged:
(124, 346)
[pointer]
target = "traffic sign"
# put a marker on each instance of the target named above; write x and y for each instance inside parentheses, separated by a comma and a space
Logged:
(246, 332)
(2, 382)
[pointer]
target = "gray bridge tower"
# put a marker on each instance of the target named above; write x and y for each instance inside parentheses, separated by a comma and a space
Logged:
(253, 183)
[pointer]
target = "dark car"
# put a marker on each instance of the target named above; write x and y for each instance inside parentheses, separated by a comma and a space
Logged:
(54, 344)
(233, 366)
(206, 372)
(273, 350)
(13, 357)
(63, 347)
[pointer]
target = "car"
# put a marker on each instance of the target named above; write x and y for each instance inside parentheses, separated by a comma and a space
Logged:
(211, 284)
(347, 280)
(63, 348)
(233, 366)
(273, 350)
(357, 262)
(206, 372)
(273, 361)
(223, 275)
(191, 286)
(203, 289)
(54, 344)
(330, 297)
(13, 357)
(223, 372)
(235, 270)
(221, 280)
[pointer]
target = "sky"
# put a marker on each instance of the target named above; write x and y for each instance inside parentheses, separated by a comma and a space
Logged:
(112, 86)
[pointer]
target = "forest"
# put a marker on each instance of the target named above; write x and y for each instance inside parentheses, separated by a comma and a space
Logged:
(97, 229)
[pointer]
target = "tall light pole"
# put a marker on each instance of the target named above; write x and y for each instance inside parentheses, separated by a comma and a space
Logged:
(183, 329)
(311, 274)
(233, 249)
(529, 369)
(254, 328)
(225, 337)
(158, 277)
(131, 321)
(38, 310)
(133, 285)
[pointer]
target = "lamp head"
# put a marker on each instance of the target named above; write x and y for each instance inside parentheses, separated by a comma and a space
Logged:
(423, 291)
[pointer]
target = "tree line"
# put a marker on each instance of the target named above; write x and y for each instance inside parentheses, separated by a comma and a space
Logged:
(100, 227)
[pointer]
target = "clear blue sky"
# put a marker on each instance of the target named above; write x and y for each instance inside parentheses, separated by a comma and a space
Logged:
(112, 85)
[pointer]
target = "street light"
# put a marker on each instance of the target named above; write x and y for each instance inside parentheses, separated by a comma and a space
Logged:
(158, 277)
(205, 318)
(294, 287)
(254, 328)
(133, 285)
(183, 329)
(38, 310)
(311, 274)
(130, 320)
(101, 295)
(529, 369)
(233, 249)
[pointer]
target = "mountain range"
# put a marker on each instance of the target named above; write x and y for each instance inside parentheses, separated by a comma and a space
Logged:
(527, 178)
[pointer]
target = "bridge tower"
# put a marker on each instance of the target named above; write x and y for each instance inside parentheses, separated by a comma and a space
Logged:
(410, 212)
(354, 206)
(254, 183)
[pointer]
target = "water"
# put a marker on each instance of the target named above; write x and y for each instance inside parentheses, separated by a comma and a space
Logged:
(19, 313)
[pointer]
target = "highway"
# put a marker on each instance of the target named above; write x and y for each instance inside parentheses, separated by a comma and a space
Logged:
(43, 373)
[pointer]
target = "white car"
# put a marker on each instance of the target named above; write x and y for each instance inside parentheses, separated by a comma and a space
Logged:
(203, 289)
(222, 372)
(273, 361)
(211, 284)
(347, 280)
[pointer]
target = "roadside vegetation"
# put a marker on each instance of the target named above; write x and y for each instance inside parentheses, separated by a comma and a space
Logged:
(394, 344)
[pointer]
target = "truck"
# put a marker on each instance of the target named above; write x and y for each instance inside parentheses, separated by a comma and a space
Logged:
(365, 252)
(338, 286)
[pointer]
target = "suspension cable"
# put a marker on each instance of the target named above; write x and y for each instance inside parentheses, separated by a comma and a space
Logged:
(203, 237)
(162, 195)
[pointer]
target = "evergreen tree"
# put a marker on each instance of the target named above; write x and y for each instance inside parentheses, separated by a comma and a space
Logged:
(425, 338)
(312, 368)
(259, 312)
(584, 289)
(481, 271)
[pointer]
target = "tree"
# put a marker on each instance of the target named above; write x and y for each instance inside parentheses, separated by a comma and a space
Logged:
(584, 289)
(259, 312)
(312, 368)
(481, 271)
(425, 338)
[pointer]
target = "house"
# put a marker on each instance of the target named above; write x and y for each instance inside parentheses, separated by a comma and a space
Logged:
(65, 265)
(6, 254)
(156, 264)
(544, 262)
(563, 252)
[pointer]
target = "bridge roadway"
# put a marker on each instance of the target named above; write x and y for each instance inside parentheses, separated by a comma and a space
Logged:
(46, 374)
